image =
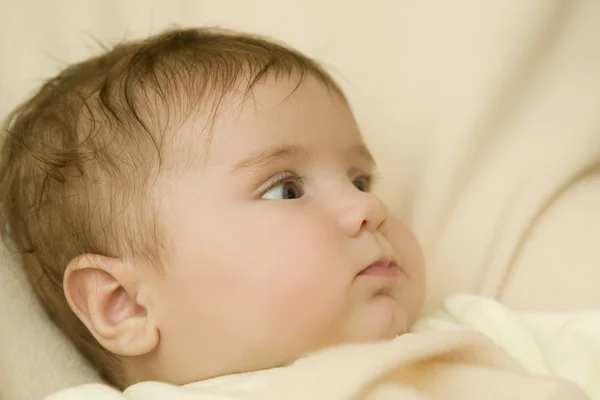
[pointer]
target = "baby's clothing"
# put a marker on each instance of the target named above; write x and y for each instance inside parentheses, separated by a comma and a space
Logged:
(560, 344)
(230, 387)
(553, 345)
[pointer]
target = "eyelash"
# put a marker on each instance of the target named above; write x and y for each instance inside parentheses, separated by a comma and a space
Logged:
(370, 180)
(285, 178)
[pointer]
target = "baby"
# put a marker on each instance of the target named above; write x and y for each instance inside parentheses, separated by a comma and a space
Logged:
(199, 204)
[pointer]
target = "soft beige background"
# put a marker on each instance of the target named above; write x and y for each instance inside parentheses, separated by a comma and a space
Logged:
(484, 115)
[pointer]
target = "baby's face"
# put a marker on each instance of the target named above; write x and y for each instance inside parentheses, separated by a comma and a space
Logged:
(269, 234)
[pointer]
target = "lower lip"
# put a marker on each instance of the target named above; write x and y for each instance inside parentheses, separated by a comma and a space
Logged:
(381, 270)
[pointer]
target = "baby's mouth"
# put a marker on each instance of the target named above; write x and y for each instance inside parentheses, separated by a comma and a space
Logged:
(383, 267)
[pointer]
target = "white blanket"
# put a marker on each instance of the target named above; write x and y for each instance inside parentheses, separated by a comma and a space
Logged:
(553, 345)
(560, 344)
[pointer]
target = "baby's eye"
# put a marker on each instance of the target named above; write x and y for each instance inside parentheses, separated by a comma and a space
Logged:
(289, 190)
(363, 183)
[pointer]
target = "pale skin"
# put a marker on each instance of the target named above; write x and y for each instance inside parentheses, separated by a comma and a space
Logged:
(268, 236)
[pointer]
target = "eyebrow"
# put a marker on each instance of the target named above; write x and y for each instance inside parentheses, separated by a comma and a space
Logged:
(263, 158)
(362, 151)
(266, 157)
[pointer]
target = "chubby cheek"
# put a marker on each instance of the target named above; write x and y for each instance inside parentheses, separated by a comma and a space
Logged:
(408, 249)
(296, 273)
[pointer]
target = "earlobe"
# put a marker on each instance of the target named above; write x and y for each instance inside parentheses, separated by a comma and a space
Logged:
(103, 292)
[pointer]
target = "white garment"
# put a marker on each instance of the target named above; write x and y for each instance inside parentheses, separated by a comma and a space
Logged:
(558, 344)
(229, 387)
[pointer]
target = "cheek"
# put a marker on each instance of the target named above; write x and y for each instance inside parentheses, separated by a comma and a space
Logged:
(408, 249)
(294, 267)
(289, 244)
(406, 246)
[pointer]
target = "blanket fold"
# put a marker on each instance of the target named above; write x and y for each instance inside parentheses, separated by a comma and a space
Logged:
(433, 365)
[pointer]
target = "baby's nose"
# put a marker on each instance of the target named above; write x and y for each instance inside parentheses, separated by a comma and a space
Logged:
(363, 211)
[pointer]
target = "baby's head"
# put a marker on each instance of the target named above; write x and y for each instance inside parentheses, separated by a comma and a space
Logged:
(199, 204)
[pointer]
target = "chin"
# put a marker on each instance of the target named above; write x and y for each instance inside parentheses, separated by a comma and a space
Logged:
(382, 334)
(383, 320)
(395, 329)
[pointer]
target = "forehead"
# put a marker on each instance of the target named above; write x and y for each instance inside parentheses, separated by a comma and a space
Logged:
(276, 112)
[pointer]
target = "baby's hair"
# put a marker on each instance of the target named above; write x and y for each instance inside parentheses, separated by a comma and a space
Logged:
(77, 158)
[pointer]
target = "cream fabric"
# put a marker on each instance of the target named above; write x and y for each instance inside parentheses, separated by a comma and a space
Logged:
(554, 344)
(557, 345)
(483, 115)
(448, 365)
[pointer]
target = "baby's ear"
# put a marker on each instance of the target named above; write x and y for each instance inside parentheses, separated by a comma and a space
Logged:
(103, 293)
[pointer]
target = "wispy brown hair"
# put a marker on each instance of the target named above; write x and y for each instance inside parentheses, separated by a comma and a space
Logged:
(77, 157)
